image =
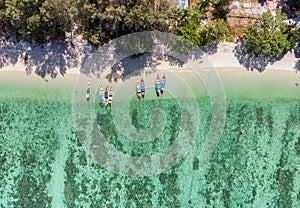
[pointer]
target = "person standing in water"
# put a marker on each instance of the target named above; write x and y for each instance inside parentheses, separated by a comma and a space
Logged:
(157, 85)
(163, 84)
(143, 88)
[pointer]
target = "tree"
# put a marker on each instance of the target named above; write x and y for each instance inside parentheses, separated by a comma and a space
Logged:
(200, 34)
(269, 35)
(34, 21)
(102, 21)
(2, 16)
(212, 33)
(187, 24)
(294, 4)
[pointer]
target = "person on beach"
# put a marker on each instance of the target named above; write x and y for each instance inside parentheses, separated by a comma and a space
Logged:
(26, 58)
(138, 90)
(157, 85)
(110, 96)
(106, 96)
(163, 84)
(101, 97)
(142, 88)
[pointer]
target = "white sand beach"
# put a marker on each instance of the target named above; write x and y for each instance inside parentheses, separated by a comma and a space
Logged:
(277, 80)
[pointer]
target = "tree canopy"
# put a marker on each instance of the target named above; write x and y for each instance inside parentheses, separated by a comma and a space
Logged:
(100, 21)
(35, 21)
(294, 4)
(269, 35)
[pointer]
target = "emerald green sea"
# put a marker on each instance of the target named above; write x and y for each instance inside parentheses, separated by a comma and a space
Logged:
(42, 163)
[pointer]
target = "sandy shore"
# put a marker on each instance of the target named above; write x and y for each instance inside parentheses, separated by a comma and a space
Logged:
(278, 80)
(272, 84)
(229, 55)
(237, 82)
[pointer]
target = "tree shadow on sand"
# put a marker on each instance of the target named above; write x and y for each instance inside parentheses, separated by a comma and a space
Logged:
(145, 63)
(48, 59)
(210, 50)
(123, 56)
(9, 52)
(297, 55)
(252, 62)
(297, 66)
(53, 59)
(138, 53)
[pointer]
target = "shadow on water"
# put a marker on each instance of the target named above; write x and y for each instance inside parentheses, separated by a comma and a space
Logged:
(252, 62)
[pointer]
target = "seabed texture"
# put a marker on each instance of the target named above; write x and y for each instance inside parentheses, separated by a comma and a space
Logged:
(42, 163)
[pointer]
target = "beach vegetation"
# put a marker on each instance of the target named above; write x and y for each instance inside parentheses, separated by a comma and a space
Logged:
(212, 33)
(269, 36)
(294, 5)
(101, 21)
(188, 30)
(34, 21)
(221, 9)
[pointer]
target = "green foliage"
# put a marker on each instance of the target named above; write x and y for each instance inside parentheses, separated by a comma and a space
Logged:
(188, 24)
(294, 35)
(101, 21)
(230, 38)
(104, 21)
(212, 33)
(269, 36)
(203, 5)
(35, 21)
(221, 9)
(191, 29)
(189, 32)
(294, 4)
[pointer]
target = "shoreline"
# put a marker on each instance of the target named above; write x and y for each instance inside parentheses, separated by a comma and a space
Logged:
(237, 83)
(277, 80)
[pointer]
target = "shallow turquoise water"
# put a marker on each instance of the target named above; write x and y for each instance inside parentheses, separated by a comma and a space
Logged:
(44, 165)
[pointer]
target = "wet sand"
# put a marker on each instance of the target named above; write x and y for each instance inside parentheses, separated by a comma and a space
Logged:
(237, 82)
(270, 84)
